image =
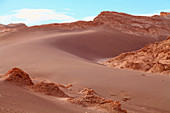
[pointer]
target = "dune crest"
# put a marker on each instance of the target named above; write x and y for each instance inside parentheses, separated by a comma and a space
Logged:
(154, 58)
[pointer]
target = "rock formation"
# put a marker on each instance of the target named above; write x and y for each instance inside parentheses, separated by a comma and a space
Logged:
(154, 26)
(90, 99)
(154, 58)
(86, 97)
(11, 27)
(18, 76)
(138, 25)
(49, 89)
(164, 13)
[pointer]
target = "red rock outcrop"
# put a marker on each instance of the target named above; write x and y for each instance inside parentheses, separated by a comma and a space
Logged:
(86, 97)
(164, 13)
(138, 25)
(154, 58)
(17, 75)
(90, 99)
(11, 27)
(49, 89)
(154, 26)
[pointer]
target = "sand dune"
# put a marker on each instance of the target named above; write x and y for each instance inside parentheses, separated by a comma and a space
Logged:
(70, 57)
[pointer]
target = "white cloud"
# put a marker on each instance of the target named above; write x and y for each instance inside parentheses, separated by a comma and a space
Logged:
(5, 19)
(33, 16)
(165, 10)
(39, 16)
(67, 9)
(157, 13)
(90, 18)
(147, 14)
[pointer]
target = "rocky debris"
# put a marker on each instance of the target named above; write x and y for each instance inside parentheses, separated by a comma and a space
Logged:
(154, 58)
(51, 89)
(86, 97)
(90, 99)
(18, 76)
(126, 98)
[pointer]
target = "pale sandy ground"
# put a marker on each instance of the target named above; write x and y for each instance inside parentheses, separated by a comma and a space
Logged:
(69, 58)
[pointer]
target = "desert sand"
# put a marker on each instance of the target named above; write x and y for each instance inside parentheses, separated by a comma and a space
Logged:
(70, 56)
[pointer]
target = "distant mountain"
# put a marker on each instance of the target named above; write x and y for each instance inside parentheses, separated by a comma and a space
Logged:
(154, 58)
(9, 27)
(155, 26)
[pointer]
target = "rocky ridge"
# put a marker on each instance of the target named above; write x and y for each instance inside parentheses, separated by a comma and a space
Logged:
(153, 58)
(154, 26)
(138, 25)
(11, 27)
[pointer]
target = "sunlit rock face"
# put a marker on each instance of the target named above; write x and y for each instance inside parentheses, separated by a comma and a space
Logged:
(154, 58)
(138, 25)
(18, 76)
(164, 13)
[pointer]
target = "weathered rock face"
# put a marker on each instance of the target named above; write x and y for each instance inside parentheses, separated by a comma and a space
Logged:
(18, 76)
(138, 25)
(11, 27)
(49, 89)
(164, 13)
(154, 26)
(154, 58)
(90, 99)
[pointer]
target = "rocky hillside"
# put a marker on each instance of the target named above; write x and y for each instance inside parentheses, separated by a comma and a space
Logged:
(154, 58)
(155, 26)
(11, 27)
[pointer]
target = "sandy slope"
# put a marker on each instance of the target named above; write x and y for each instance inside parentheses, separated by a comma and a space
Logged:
(68, 58)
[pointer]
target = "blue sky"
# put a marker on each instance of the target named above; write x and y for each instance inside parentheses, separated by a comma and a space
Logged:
(35, 12)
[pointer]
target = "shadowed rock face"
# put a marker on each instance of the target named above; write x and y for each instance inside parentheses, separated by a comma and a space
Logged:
(18, 76)
(49, 89)
(154, 58)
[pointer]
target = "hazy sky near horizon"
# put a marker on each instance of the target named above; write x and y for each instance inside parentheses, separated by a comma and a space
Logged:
(35, 12)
